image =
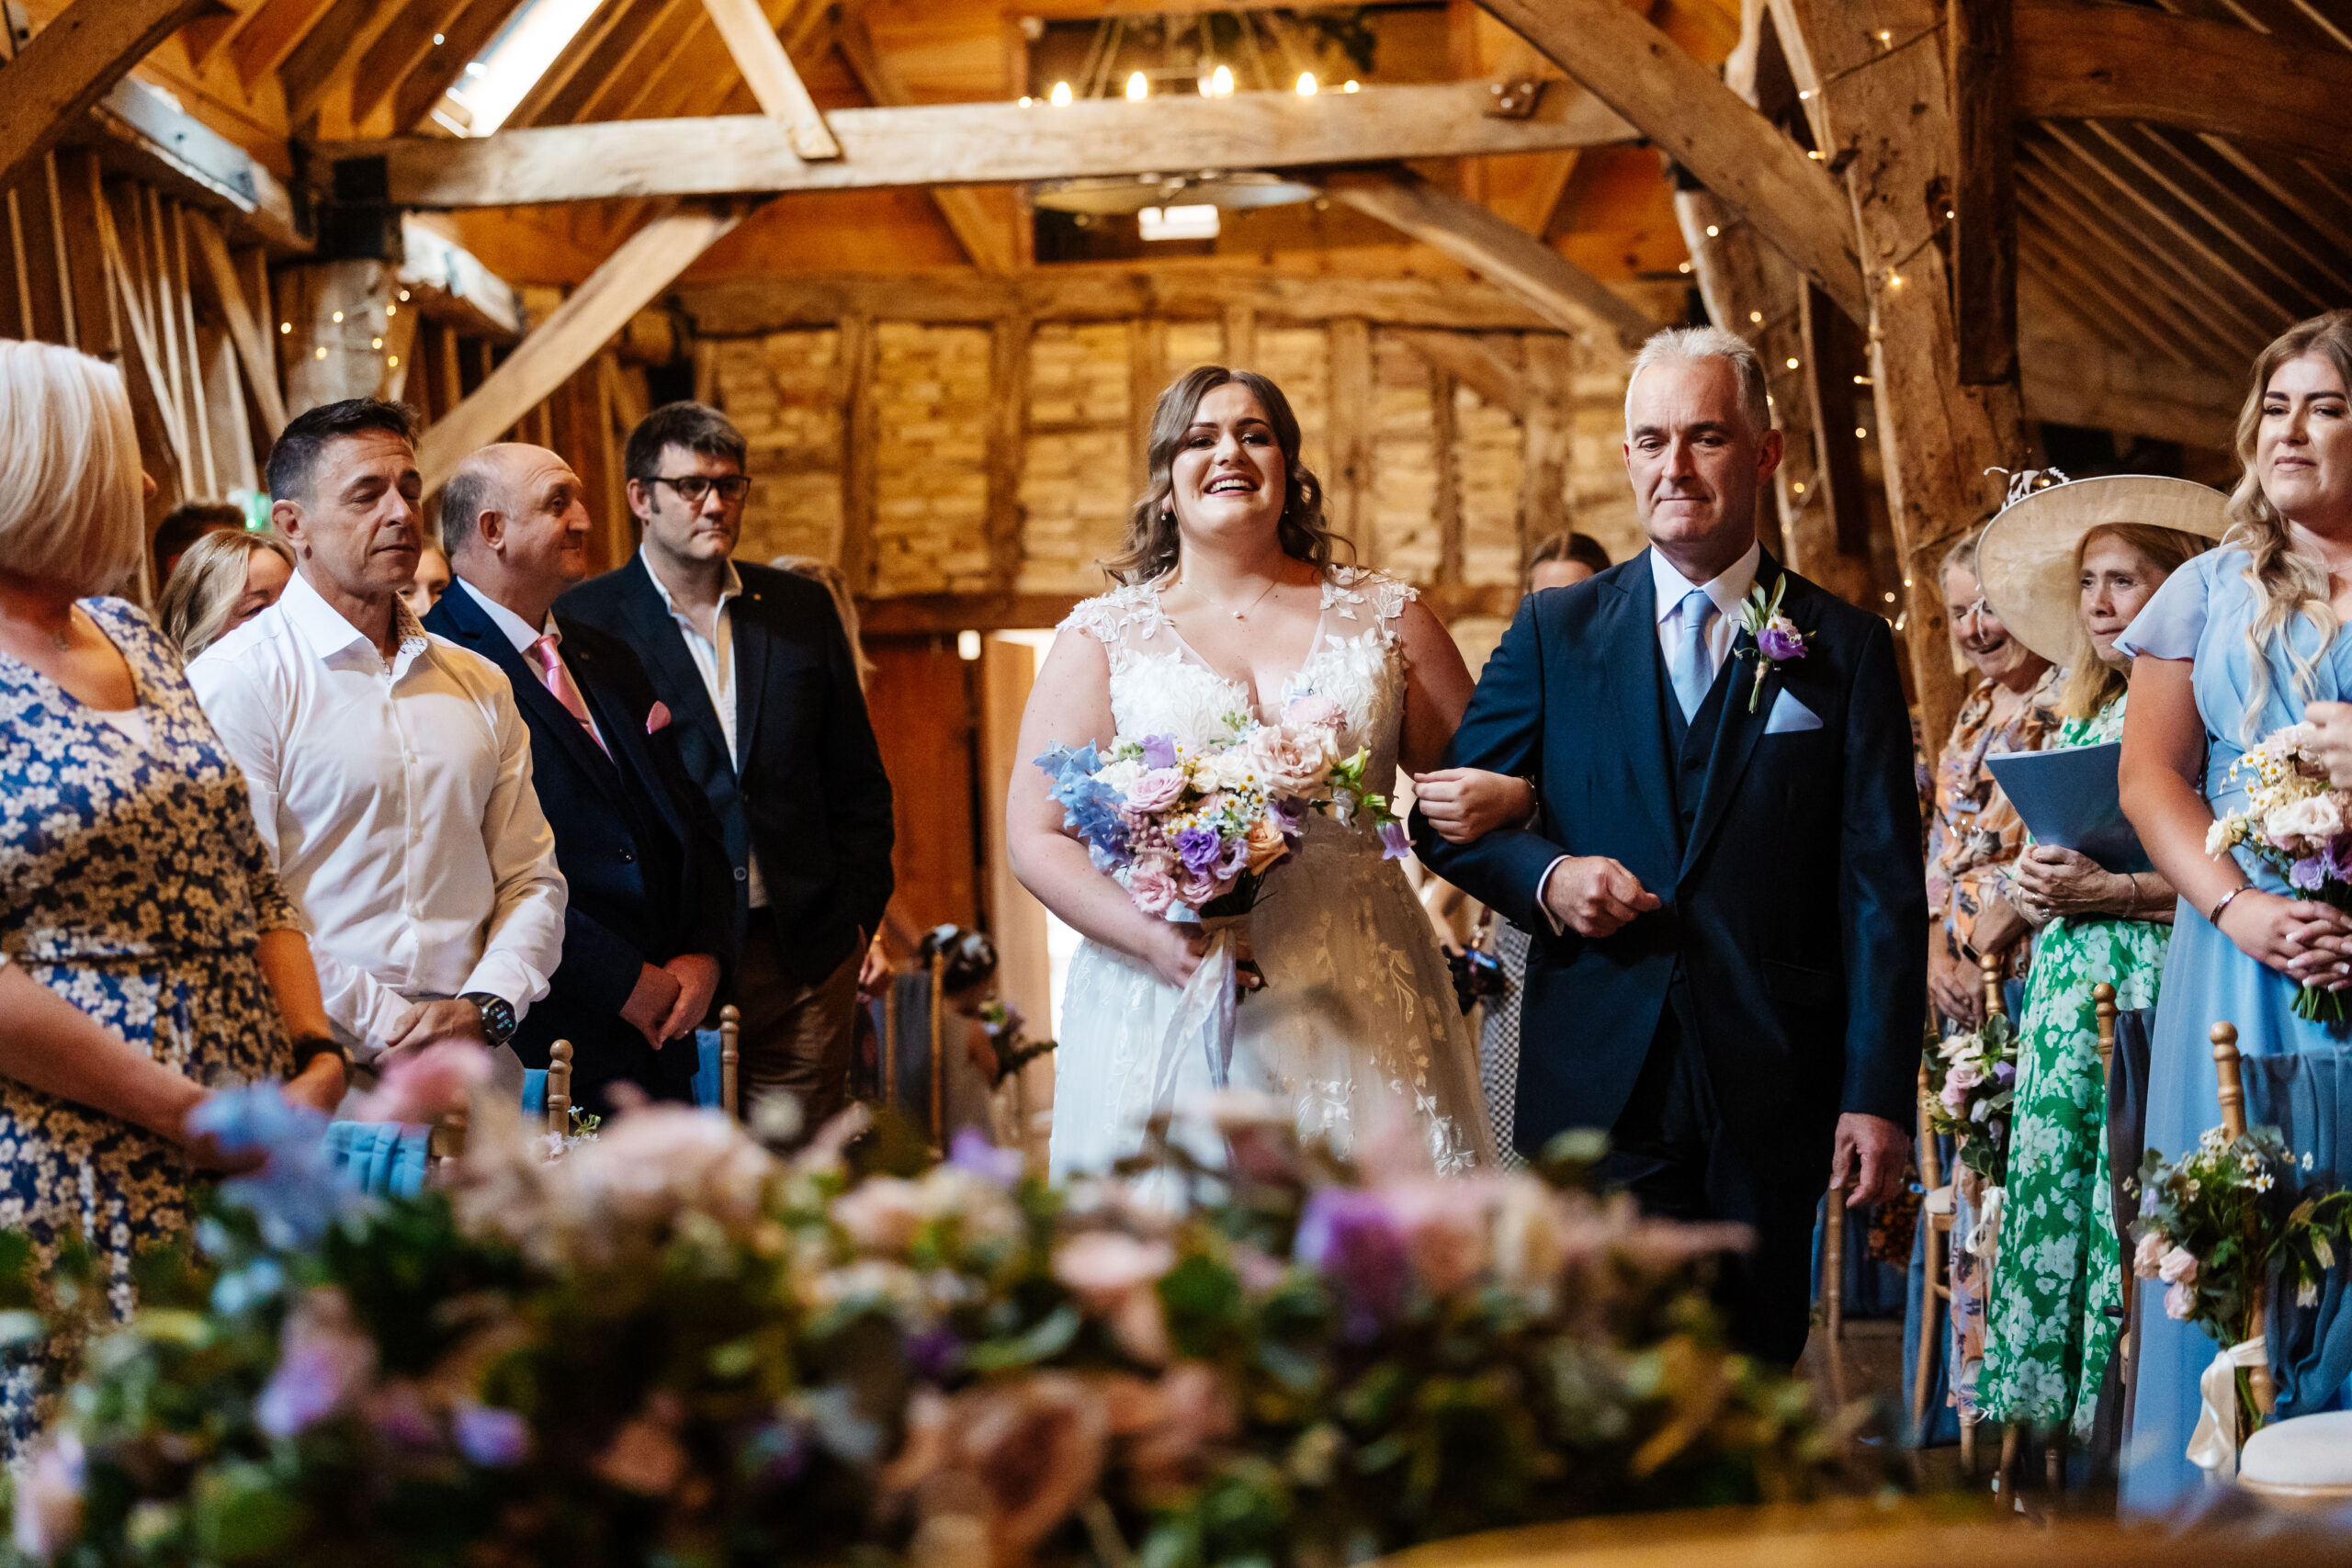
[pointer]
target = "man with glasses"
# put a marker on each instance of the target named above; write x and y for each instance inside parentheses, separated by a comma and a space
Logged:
(754, 668)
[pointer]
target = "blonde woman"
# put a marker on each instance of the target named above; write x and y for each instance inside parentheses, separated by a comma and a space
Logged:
(2231, 647)
(222, 580)
(1229, 601)
(845, 606)
(147, 956)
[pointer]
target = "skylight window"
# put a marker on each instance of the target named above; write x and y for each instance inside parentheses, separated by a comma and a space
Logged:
(504, 73)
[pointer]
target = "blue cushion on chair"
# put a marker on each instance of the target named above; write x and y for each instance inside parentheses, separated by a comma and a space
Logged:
(385, 1159)
(708, 1087)
(535, 1091)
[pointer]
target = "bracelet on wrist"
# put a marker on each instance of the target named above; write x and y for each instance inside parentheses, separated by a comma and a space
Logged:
(2214, 918)
(310, 1047)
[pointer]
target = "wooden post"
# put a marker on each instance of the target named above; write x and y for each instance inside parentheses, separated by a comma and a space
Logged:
(1007, 447)
(1240, 336)
(731, 1058)
(1348, 482)
(1985, 206)
(860, 470)
(938, 1054)
(559, 1104)
(1547, 434)
(2227, 1070)
(1885, 113)
(1989, 965)
(1446, 446)
(1833, 1290)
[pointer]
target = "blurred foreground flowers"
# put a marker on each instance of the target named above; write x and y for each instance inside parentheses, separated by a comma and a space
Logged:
(672, 1345)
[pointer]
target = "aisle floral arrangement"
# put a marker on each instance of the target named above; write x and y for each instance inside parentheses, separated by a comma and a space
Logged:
(2298, 823)
(1972, 1088)
(672, 1345)
(2217, 1224)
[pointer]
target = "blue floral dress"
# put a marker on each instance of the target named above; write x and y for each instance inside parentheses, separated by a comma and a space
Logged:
(132, 883)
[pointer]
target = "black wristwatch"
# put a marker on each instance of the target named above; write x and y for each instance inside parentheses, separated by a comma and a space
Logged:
(310, 1047)
(497, 1015)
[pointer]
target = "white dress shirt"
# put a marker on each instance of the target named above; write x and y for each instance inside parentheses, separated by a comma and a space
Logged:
(517, 630)
(396, 802)
(1726, 590)
(714, 659)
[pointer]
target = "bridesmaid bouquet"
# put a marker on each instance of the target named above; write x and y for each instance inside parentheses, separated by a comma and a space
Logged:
(1192, 832)
(2299, 824)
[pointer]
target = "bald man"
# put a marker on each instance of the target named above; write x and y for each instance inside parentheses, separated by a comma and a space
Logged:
(648, 929)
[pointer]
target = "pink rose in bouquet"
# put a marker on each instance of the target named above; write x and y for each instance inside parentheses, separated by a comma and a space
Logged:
(1154, 791)
(1316, 712)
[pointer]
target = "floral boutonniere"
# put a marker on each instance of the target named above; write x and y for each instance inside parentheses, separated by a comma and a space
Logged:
(1776, 637)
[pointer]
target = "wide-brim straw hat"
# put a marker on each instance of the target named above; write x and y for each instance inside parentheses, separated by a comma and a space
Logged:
(2025, 559)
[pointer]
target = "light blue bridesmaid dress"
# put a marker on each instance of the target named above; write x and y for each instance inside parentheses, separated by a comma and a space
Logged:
(2202, 613)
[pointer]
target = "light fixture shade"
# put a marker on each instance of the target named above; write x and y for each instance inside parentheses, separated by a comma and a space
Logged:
(1121, 192)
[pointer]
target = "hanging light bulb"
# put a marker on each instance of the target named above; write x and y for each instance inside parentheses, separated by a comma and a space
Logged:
(1306, 83)
(1137, 88)
(1061, 95)
(1221, 84)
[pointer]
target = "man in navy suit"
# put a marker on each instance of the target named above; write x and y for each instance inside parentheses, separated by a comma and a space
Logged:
(754, 664)
(650, 925)
(1724, 880)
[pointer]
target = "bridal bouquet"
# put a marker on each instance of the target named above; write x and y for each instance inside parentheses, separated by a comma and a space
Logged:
(2300, 824)
(1192, 832)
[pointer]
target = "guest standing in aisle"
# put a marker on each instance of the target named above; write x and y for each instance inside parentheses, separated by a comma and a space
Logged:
(755, 671)
(650, 911)
(390, 771)
(2230, 648)
(2067, 569)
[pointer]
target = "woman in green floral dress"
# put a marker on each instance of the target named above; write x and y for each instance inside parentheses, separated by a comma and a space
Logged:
(2069, 576)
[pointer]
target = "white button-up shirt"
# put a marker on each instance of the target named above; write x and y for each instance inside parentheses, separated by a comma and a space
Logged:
(714, 659)
(1727, 588)
(517, 630)
(396, 802)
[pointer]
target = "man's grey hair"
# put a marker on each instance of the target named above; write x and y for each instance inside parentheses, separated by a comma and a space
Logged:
(473, 490)
(1689, 344)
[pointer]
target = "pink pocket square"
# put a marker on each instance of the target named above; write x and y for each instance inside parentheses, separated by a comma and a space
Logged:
(657, 719)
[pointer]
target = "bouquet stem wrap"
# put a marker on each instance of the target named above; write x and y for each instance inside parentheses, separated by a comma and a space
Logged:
(2213, 1446)
(1203, 1020)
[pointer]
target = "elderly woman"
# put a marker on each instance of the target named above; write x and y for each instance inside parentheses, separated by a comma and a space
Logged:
(222, 580)
(147, 956)
(1975, 835)
(2069, 568)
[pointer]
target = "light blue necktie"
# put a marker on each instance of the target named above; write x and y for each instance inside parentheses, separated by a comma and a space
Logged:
(1690, 670)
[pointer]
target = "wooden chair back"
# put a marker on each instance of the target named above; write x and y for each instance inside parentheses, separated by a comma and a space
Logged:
(559, 1088)
(2232, 1075)
(1990, 965)
(731, 1058)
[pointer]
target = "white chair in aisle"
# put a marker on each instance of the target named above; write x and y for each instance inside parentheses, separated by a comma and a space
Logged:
(2306, 1460)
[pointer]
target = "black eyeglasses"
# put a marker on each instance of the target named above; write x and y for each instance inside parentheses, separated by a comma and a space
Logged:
(692, 488)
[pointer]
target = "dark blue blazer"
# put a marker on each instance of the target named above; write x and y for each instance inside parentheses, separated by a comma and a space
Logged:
(1796, 909)
(810, 796)
(640, 847)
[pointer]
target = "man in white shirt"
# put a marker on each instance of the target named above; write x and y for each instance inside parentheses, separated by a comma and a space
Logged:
(391, 772)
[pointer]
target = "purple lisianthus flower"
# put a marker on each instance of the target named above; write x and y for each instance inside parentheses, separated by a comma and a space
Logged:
(2308, 873)
(1351, 1238)
(1158, 751)
(1200, 848)
(932, 1353)
(492, 1436)
(1394, 844)
(1782, 642)
(2005, 1072)
(972, 1152)
(324, 1361)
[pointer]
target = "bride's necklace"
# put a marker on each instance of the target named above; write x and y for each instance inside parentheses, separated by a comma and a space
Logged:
(1243, 612)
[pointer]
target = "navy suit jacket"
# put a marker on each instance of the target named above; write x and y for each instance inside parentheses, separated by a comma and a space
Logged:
(810, 796)
(1795, 911)
(638, 846)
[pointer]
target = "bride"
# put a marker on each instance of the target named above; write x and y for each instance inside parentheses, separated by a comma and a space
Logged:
(1230, 601)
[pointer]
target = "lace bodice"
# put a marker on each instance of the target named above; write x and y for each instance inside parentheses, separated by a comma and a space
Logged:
(1160, 685)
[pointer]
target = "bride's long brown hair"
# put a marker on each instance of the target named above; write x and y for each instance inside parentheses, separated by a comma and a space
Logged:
(1152, 544)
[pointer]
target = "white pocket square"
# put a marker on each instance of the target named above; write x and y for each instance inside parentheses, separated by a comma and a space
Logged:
(1789, 717)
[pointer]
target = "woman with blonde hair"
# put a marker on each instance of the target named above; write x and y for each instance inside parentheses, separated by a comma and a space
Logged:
(147, 955)
(1230, 601)
(844, 604)
(2231, 647)
(2067, 569)
(222, 580)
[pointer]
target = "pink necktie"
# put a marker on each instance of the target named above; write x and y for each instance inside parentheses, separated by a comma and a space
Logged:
(558, 680)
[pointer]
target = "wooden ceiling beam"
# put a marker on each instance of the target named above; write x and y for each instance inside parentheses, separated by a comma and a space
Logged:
(272, 33)
(1473, 362)
(322, 62)
(589, 317)
(1984, 193)
(469, 35)
(2107, 267)
(1513, 259)
(768, 69)
(2188, 162)
(970, 144)
(2072, 378)
(1682, 106)
(2079, 60)
(983, 233)
(2043, 268)
(174, 149)
(405, 46)
(71, 65)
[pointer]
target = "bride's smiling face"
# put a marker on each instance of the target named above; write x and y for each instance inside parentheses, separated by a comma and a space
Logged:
(1228, 477)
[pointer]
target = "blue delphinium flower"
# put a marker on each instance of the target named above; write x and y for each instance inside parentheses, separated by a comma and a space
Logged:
(1090, 807)
(490, 1435)
(298, 1193)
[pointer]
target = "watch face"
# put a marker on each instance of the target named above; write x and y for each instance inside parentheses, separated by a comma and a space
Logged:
(497, 1016)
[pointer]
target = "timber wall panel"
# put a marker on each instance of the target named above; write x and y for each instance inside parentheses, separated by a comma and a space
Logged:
(784, 392)
(931, 499)
(1074, 491)
(1488, 446)
(1404, 462)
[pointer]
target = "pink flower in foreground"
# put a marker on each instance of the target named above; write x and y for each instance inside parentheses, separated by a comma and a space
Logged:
(428, 1085)
(1104, 1265)
(2179, 1302)
(48, 1512)
(1152, 887)
(2178, 1266)
(324, 1361)
(2148, 1253)
(1290, 764)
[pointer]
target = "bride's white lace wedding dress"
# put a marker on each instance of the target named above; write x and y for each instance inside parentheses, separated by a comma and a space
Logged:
(1358, 1018)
